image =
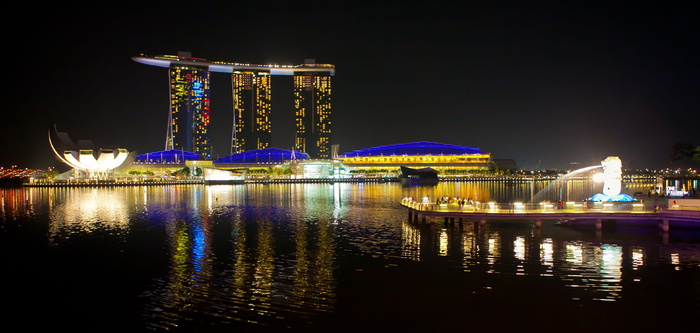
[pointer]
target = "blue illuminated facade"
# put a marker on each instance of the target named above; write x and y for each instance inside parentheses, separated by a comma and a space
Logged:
(414, 148)
(271, 155)
(167, 156)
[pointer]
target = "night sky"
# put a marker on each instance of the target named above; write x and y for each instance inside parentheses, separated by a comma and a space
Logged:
(545, 85)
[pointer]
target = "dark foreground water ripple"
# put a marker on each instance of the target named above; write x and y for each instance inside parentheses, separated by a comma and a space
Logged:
(320, 257)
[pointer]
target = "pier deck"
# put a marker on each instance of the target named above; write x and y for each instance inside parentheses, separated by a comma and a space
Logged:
(429, 211)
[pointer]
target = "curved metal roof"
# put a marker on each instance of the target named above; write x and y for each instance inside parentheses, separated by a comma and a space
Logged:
(83, 156)
(262, 155)
(167, 156)
(414, 148)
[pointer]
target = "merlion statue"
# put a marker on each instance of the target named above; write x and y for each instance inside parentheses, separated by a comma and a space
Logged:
(612, 176)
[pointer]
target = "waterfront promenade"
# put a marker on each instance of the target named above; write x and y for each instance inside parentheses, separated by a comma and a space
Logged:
(425, 210)
(159, 182)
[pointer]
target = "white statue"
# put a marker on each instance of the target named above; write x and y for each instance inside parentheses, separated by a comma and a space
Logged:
(612, 176)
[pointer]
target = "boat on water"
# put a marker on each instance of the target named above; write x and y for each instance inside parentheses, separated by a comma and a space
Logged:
(418, 176)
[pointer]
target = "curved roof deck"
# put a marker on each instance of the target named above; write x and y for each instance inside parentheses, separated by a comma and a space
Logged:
(262, 155)
(231, 67)
(167, 156)
(414, 148)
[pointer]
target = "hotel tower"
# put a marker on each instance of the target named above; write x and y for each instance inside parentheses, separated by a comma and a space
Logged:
(188, 121)
(312, 102)
(189, 116)
(251, 103)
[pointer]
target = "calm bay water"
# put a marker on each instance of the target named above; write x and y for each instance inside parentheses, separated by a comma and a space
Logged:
(320, 257)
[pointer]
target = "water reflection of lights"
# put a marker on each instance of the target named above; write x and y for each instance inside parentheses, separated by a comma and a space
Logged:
(519, 248)
(200, 247)
(220, 195)
(337, 206)
(257, 276)
(240, 264)
(595, 269)
(259, 280)
(470, 248)
(264, 270)
(519, 252)
(547, 255)
(675, 260)
(443, 243)
(611, 262)
(411, 242)
(574, 254)
(88, 210)
(325, 259)
(494, 249)
(16, 202)
(313, 273)
(637, 258)
(610, 272)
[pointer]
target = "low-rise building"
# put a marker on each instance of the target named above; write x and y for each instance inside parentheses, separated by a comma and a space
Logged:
(386, 161)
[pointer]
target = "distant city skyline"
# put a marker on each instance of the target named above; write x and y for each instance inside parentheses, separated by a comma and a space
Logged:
(547, 85)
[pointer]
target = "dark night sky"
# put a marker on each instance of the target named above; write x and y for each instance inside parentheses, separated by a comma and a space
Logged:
(544, 85)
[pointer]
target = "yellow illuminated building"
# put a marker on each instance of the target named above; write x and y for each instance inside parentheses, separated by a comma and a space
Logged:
(312, 102)
(251, 100)
(447, 160)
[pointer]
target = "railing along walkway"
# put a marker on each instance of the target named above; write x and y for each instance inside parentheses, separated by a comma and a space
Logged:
(546, 210)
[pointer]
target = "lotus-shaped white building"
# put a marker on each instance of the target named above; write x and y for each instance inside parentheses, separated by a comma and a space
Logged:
(86, 161)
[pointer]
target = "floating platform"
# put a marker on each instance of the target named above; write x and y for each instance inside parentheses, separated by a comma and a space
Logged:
(482, 212)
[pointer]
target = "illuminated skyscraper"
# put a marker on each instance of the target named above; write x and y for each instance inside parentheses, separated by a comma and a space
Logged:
(188, 122)
(312, 101)
(251, 102)
(189, 110)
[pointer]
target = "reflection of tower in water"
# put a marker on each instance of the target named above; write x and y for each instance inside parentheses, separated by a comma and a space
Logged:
(264, 272)
(313, 273)
(253, 270)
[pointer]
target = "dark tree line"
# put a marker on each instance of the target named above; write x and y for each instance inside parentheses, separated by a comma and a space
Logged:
(683, 150)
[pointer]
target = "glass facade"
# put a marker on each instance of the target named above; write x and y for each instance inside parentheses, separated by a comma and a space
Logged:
(167, 156)
(188, 124)
(312, 101)
(251, 120)
(189, 118)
